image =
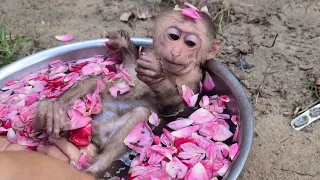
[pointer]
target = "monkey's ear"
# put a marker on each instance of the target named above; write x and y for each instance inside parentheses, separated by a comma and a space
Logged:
(216, 45)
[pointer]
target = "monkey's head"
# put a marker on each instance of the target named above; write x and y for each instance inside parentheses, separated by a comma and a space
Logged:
(183, 43)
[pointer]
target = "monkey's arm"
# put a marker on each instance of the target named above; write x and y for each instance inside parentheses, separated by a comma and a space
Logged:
(52, 115)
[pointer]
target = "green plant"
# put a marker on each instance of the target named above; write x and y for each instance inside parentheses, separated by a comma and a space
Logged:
(10, 47)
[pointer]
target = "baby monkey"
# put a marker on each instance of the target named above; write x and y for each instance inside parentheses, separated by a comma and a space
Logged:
(181, 45)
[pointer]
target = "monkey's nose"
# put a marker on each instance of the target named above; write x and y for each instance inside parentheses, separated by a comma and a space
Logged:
(175, 53)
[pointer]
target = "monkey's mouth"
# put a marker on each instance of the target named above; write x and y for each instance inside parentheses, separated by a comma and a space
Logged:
(171, 63)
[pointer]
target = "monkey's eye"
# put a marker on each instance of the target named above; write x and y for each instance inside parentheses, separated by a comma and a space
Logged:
(191, 40)
(173, 34)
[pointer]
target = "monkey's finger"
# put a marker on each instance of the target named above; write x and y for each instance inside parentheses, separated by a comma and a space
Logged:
(70, 150)
(144, 64)
(144, 78)
(146, 72)
(50, 117)
(56, 119)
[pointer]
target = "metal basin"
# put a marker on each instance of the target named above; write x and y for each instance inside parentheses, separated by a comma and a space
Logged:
(226, 84)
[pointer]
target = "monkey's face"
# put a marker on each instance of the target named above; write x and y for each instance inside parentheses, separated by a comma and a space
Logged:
(180, 43)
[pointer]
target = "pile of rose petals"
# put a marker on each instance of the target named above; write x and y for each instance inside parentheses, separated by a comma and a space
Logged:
(195, 147)
(19, 98)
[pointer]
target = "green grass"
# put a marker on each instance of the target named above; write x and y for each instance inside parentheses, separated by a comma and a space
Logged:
(10, 47)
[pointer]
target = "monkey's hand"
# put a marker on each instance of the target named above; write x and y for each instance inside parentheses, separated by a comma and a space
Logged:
(120, 40)
(52, 115)
(149, 70)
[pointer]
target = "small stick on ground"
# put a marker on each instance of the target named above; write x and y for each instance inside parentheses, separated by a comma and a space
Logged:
(258, 92)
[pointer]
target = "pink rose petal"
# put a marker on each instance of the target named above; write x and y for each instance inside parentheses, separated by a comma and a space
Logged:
(208, 84)
(121, 87)
(11, 136)
(236, 134)
(83, 162)
(168, 134)
(203, 142)
(139, 138)
(189, 97)
(194, 160)
(190, 12)
(165, 151)
(190, 147)
(136, 161)
(179, 124)
(64, 38)
(225, 98)
(185, 132)
(155, 158)
(234, 119)
(211, 152)
(91, 69)
(164, 140)
(233, 150)
(222, 133)
(77, 119)
(153, 119)
(201, 116)
(156, 140)
(204, 101)
(197, 172)
(176, 169)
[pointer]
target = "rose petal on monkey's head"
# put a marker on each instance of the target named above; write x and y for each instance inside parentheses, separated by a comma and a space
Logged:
(208, 84)
(191, 13)
(180, 123)
(154, 119)
(64, 38)
(201, 116)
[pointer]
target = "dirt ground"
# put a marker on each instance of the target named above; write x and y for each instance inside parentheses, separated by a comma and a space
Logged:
(279, 38)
